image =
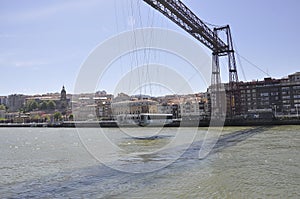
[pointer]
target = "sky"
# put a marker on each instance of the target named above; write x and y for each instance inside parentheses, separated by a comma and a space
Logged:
(43, 44)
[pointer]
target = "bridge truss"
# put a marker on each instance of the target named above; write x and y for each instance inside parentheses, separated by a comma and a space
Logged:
(180, 14)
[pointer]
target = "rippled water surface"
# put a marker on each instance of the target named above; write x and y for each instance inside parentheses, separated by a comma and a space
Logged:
(246, 162)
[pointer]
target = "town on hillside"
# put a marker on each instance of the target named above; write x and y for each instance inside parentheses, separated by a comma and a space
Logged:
(268, 98)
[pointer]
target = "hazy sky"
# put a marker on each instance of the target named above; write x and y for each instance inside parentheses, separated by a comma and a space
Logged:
(44, 43)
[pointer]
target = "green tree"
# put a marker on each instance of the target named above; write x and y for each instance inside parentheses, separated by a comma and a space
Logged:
(43, 105)
(2, 107)
(71, 117)
(30, 105)
(26, 107)
(36, 117)
(57, 116)
(34, 105)
(46, 118)
(51, 105)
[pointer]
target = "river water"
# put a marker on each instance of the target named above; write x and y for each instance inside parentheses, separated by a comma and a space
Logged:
(246, 162)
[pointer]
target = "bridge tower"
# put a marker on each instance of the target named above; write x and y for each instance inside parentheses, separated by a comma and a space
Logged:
(180, 14)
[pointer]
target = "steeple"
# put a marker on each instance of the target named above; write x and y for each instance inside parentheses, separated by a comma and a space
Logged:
(63, 94)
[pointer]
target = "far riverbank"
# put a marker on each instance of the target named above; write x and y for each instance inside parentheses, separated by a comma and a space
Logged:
(114, 124)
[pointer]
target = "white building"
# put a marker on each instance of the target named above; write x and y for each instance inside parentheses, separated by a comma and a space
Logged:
(164, 108)
(190, 108)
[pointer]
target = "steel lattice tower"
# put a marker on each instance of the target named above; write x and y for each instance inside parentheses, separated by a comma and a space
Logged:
(180, 14)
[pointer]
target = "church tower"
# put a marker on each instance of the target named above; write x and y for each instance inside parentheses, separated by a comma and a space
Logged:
(63, 100)
(63, 94)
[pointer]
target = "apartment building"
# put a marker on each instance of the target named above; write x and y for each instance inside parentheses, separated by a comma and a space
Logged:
(281, 96)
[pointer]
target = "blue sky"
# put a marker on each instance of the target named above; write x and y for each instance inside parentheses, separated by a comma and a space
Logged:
(44, 43)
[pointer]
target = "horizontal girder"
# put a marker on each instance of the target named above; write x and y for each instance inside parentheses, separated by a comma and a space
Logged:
(176, 11)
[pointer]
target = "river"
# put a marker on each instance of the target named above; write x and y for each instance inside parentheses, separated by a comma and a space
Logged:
(246, 162)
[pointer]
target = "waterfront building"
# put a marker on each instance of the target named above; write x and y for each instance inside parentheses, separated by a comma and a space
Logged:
(103, 107)
(280, 96)
(3, 100)
(218, 103)
(191, 105)
(176, 110)
(164, 108)
(86, 113)
(83, 106)
(134, 107)
(15, 102)
(190, 108)
(91, 106)
(120, 107)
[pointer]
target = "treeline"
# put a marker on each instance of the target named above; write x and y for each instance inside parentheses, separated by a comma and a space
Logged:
(32, 105)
